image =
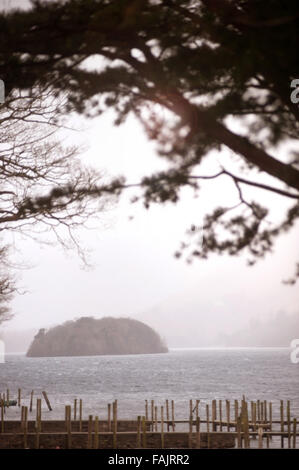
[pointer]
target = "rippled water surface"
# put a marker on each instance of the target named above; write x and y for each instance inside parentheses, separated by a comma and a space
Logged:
(265, 374)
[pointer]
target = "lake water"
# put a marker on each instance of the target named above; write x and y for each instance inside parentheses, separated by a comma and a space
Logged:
(180, 375)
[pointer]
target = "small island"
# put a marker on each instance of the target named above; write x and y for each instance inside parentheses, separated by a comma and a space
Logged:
(89, 336)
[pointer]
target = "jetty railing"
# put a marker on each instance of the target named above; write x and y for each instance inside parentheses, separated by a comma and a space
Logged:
(218, 423)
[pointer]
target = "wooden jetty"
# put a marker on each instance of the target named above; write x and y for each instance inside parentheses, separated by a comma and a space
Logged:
(215, 424)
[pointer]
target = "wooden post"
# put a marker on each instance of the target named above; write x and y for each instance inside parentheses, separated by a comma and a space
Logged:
(22, 418)
(294, 432)
(80, 415)
(260, 436)
(68, 413)
(289, 423)
(96, 433)
(228, 415)
(246, 426)
(262, 412)
(47, 401)
(152, 414)
(265, 412)
(162, 428)
(146, 410)
(258, 411)
(38, 413)
(220, 414)
(281, 423)
(115, 424)
(197, 409)
(172, 415)
(190, 425)
(7, 398)
(236, 413)
(254, 417)
(156, 418)
(198, 432)
(167, 415)
(143, 432)
(89, 437)
(208, 426)
(38, 421)
(239, 436)
(270, 416)
(2, 415)
(214, 415)
(109, 417)
(19, 397)
(138, 432)
(25, 427)
(31, 401)
(75, 409)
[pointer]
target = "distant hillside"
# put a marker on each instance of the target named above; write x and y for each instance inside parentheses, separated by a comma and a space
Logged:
(199, 316)
(277, 331)
(88, 336)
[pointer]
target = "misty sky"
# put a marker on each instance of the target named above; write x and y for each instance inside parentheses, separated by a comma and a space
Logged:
(134, 270)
